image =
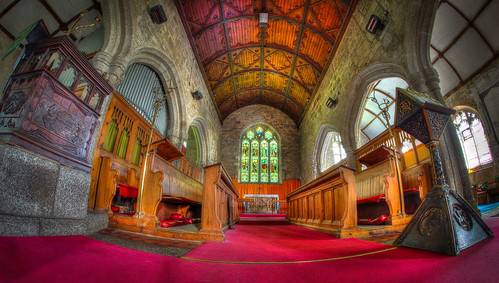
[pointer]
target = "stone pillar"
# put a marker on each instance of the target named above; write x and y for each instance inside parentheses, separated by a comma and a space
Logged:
(456, 173)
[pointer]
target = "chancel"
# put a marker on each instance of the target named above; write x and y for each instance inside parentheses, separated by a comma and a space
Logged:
(248, 141)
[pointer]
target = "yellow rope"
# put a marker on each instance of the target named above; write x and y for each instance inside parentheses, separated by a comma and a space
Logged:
(287, 262)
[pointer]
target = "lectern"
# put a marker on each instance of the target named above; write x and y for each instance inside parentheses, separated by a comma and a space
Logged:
(444, 222)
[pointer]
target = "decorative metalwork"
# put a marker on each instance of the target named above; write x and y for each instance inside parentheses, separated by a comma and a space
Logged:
(431, 221)
(462, 217)
(434, 226)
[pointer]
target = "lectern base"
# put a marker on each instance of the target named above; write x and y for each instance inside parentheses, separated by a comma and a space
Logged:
(444, 223)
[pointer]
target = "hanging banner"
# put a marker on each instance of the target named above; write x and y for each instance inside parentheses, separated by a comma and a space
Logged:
(34, 32)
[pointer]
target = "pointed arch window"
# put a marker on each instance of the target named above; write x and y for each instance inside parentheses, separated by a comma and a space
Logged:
(332, 151)
(260, 161)
(472, 137)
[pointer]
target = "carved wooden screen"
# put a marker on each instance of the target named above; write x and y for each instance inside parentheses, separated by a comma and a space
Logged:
(260, 155)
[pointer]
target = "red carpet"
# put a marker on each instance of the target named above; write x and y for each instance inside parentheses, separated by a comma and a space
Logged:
(81, 259)
(280, 244)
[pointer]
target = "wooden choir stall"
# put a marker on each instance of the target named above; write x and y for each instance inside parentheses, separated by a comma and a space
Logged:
(340, 200)
(176, 202)
(327, 203)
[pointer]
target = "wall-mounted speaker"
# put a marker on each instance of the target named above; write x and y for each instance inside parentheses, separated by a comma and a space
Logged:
(157, 14)
(197, 95)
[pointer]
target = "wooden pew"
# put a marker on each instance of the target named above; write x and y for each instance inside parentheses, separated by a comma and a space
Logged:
(112, 171)
(220, 202)
(380, 178)
(328, 203)
(377, 172)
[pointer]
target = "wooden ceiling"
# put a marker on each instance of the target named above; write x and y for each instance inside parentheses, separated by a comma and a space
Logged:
(280, 65)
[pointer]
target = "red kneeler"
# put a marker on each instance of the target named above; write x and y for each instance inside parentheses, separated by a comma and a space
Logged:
(176, 219)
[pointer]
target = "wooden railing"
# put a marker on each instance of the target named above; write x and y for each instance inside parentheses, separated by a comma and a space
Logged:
(418, 154)
(190, 169)
(328, 202)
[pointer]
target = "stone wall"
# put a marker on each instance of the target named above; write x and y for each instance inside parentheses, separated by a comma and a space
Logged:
(238, 120)
(40, 196)
(358, 51)
(132, 37)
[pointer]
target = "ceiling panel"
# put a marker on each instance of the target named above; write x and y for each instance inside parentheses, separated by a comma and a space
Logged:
(281, 63)
(464, 40)
(211, 43)
(243, 32)
(247, 80)
(448, 78)
(31, 11)
(66, 9)
(488, 22)
(468, 53)
(448, 24)
(246, 59)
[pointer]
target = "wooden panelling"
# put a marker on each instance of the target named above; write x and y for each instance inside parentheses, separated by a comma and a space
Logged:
(219, 209)
(328, 202)
(286, 187)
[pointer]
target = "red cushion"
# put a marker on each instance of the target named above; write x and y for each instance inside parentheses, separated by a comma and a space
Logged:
(127, 191)
(178, 216)
(371, 199)
(168, 223)
(188, 221)
(115, 208)
(375, 221)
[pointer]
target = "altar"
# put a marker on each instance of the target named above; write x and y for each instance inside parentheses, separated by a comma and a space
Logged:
(261, 203)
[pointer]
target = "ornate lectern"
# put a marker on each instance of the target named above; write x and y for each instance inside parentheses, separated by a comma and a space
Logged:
(444, 222)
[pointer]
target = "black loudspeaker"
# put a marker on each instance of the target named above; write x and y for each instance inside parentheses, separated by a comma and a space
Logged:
(197, 95)
(157, 14)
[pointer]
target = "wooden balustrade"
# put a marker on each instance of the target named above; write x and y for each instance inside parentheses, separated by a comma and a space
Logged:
(327, 203)
(220, 200)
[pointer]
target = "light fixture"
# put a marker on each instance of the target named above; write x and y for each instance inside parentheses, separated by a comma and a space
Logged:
(331, 102)
(374, 24)
(197, 95)
(263, 19)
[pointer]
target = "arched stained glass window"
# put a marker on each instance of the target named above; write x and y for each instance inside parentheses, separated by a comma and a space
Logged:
(472, 137)
(259, 155)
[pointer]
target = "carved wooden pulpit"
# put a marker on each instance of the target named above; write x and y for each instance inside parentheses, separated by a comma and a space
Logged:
(52, 102)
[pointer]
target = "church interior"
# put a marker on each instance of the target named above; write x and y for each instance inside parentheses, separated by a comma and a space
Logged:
(249, 140)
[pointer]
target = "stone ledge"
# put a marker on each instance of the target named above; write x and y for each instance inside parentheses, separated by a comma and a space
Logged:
(33, 226)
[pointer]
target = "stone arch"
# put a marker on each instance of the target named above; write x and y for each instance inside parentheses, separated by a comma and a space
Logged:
(118, 35)
(160, 63)
(359, 91)
(200, 125)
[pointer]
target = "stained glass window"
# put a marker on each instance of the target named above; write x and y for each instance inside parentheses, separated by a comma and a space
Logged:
(472, 137)
(259, 155)
(245, 161)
